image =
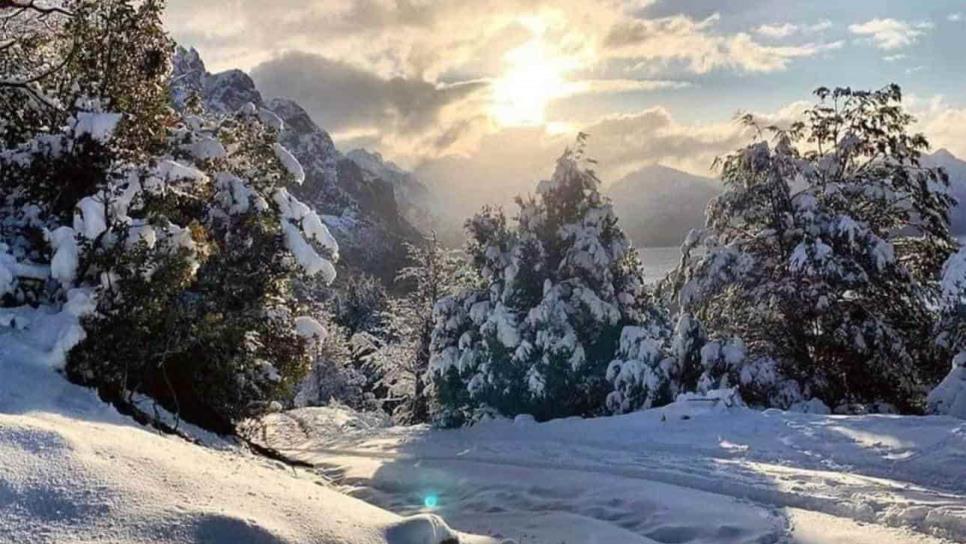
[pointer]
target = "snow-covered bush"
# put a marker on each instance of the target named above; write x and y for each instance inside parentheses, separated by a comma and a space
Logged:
(949, 397)
(180, 223)
(822, 256)
(558, 289)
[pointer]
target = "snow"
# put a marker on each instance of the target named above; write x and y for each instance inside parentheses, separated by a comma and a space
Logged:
(290, 163)
(269, 119)
(310, 225)
(207, 148)
(90, 219)
(63, 265)
(171, 171)
(702, 470)
(954, 277)
(307, 327)
(73, 470)
(305, 255)
(99, 126)
(949, 397)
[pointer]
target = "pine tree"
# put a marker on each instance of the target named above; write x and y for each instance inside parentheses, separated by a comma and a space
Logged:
(558, 288)
(822, 255)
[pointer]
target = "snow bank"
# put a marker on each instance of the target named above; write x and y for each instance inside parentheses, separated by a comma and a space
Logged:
(73, 470)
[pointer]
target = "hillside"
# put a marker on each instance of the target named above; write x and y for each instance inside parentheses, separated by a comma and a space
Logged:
(657, 205)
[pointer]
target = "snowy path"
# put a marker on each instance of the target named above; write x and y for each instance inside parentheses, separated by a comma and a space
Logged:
(743, 476)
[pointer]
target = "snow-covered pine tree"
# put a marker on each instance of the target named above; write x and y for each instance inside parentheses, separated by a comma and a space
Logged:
(822, 256)
(558, 289)
(178, 226)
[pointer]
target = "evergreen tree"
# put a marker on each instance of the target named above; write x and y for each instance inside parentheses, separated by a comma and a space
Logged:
(179, 226)
(558, 288)
(822, 257)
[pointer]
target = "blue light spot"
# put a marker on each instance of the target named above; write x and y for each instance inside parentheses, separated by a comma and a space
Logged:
(431, 500)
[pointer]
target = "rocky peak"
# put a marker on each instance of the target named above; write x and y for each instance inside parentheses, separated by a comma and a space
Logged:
(222, 92)
(359, 205)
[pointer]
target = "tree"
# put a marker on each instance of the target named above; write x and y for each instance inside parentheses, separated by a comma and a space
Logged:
(822, 257)
(361, 304)
(433, 273)
(557, 290)
(179, 225)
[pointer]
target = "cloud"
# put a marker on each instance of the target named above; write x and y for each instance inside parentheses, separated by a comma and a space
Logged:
(891, 34)
(351, 101)
(511, 161)
(695, 44)
(943, 124)
(955, 17)
(614, 86)
(788, 29)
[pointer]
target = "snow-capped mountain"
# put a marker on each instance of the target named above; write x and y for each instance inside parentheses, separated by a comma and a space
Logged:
(956, 170)
(358, 202)
(657, 205)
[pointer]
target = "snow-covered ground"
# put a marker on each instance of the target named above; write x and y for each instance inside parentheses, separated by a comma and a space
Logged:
(73, 470)
(687, 473)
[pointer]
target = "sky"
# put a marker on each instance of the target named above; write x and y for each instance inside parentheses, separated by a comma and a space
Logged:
(484, 94)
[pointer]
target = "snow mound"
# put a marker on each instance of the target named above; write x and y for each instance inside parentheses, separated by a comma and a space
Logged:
(421, 529)
(73, 470)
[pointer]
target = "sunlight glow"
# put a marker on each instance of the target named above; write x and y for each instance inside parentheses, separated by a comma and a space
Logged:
(533, 77)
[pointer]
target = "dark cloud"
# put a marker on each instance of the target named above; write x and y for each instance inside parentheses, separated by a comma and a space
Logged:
(343, 97)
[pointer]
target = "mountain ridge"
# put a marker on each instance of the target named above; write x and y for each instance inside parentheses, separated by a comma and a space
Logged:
(360, 206)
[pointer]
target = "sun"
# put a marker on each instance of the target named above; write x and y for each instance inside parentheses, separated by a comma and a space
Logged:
(533, 77)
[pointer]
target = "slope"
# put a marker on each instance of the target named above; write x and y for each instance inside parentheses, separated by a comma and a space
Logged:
(657, 205)
(73, 470)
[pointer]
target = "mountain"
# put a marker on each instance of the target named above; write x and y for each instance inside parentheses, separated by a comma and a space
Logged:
(956, 170)
(358, 203)
(657, 205)
(414, 199)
